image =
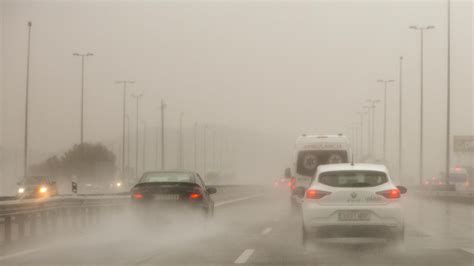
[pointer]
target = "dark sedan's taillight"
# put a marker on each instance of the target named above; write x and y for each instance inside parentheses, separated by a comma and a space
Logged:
(195, 196)
(137, 196)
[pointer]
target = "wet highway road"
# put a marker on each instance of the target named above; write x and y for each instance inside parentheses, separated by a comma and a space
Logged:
(257, 231)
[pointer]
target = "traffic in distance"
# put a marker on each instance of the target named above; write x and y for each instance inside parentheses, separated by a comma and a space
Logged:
(236, 132)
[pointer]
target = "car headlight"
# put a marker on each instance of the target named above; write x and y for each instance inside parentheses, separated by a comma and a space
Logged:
(21, 190)
(119, 184)
(43, 189)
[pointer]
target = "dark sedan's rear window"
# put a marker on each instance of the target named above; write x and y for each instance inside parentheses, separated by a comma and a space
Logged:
(167, 177)
(353, 178)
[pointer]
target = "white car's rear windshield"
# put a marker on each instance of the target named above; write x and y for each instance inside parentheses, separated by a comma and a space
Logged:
(353, 178)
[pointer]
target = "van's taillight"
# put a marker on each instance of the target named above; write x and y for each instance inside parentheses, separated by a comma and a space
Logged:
(195, 196)
(390, 194)
(316, 194)
(138, 196)
(292, 183)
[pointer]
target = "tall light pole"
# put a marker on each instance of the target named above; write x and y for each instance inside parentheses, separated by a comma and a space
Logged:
(157, 146)
(27, 95)
(195, 145)
(162, 113)
(128, 145)
(83, 56)
(369, 139)
(204, 147)
(180, 142)
(144, 147)
(385, 82)
(421, 30)
(361, 137)
(214, 161)
(137, 98)
(124, 111)
(354, 137)
(400, 119)
(373, 103)
(358, 133)
(448, 99)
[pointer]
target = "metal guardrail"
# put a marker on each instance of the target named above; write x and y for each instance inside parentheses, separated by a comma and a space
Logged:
(70, 211)
(455, 196)
(76, 211)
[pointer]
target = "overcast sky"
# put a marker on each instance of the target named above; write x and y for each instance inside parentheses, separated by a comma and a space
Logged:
(276, 68)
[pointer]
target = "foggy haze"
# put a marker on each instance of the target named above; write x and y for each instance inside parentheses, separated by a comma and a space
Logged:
(273, 70)
(267, 154)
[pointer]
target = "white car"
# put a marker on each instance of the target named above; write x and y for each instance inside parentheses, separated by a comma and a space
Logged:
(353, 200)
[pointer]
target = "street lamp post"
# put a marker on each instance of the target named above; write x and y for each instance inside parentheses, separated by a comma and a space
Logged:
(180, 143)
(204, 147)
(368, 108)
(144, 147)
(83, 56)
(27, 94)
(157, 146)
(162, 113)
(372, 107)
(137, 98)
(124, 111)
(385, 82)
(421, 30)
(448, 98)
(400, 119)
(128, 145)
(361, 137)
(355, 137)
(195, 145)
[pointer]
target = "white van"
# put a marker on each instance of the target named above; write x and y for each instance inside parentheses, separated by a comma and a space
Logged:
(313, 150)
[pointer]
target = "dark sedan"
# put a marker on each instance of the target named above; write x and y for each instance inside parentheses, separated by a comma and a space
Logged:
(173, 191)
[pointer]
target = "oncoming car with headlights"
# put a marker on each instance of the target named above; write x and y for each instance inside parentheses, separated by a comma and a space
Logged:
(37, 187)
(353, 200)
(172, 193)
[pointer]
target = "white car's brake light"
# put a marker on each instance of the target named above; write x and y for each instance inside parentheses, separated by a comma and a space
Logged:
(390, 194)
(316, 194)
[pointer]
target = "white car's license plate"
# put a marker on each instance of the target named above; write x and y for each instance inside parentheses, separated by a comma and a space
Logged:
(167, 197)
(354, 216)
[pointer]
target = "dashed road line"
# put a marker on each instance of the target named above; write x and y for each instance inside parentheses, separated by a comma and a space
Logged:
(236, 200)
(244, 256)
(266, 231)
(469, 250)
(21, 253)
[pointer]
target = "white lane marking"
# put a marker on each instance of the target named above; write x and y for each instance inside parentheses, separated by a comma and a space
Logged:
(244, 256)
(21, 253)
(266, 230)
(236, 200)
(469, 250)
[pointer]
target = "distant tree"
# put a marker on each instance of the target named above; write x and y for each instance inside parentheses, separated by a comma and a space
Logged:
(87, 162)
(52, 167)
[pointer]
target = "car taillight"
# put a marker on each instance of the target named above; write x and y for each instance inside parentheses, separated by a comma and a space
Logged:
(316, 194)
(292, 183)
(390, 194)
(195, 196)
(138, 196)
